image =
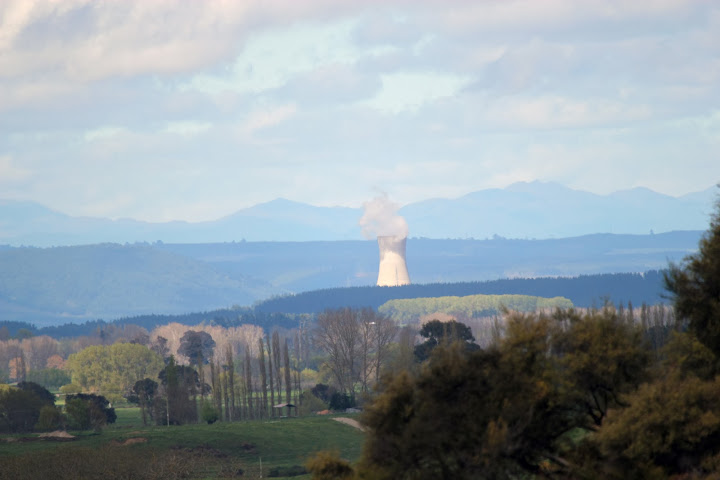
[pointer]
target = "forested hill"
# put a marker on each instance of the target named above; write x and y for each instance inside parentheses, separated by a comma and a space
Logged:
(53, 286)
(582, 291)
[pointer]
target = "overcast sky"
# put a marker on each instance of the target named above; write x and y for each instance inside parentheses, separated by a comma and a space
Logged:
(163, 110)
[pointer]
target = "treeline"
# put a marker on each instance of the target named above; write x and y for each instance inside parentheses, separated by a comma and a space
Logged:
(226, 317)
(583, 291)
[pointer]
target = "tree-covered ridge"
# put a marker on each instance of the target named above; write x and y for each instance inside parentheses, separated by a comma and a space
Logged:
(583, 291)
(470, 306)
(109, 281)
(51, 286)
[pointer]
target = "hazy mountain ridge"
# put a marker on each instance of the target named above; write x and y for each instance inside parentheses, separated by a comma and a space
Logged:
(522, 210)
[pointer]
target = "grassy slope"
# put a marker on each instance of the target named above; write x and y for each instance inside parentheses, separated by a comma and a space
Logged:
(278, 442)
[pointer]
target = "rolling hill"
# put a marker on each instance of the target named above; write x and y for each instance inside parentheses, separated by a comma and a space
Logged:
(522, 210)
(57, 285)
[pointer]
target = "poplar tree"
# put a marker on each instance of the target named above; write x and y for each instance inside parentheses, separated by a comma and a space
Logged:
(230, 388)
(271, 379)
(277, 359)
(248, 384)
(288, 382)
(263, 377)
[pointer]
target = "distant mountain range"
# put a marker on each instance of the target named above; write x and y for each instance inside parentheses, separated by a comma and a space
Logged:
(522, 210)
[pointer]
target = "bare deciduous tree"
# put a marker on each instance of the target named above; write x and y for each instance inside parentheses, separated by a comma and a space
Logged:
(357, 343)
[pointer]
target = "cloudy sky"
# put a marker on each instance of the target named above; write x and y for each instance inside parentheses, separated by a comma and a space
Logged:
(162, 110)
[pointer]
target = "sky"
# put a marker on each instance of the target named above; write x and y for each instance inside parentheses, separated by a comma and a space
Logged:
(186, 110)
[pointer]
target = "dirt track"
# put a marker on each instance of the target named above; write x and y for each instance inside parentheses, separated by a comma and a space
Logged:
(350, 421)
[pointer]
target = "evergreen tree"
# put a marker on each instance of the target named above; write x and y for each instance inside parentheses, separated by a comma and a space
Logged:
(695, 287)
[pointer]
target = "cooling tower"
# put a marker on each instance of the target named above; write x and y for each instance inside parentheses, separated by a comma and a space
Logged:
(393, 270)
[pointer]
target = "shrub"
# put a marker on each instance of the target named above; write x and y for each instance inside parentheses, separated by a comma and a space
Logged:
(50, 419)
(87, 411)
(309, 403)
(329, 466)
(209, 413)
(341, 401)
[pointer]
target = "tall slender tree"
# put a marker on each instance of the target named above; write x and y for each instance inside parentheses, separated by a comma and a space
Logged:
(271, 379)
(263, 376)
(288, 382)
(248, 384)
(216, 381)
(230, 390)
(277, 360)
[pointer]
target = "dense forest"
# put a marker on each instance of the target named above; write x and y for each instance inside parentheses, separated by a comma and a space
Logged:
(582, 291)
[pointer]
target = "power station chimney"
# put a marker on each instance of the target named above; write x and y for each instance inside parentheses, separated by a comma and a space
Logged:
(393, 269)
(380, 219)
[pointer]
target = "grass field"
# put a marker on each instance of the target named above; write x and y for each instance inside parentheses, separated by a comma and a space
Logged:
(215, 451)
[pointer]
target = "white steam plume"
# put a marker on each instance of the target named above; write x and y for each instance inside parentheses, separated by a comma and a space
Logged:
(380, 219)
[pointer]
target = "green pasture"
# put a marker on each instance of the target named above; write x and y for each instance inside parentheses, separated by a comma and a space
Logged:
(215, 451)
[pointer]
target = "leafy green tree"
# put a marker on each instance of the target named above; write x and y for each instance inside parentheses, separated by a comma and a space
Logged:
(143, 394)
(78, 414)
(436, 332)
(86, 411)
(695, 287)
(19, 410)
(70, 388)
(39, 391)
(180, 384)
(197, 346)
(685, 355)
(113, 370)
(510, 410)
(670, 430)
(602, 356)
(489, 414)
(49, 377)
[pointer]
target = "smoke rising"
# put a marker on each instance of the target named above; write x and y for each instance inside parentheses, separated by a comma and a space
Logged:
(380, 219)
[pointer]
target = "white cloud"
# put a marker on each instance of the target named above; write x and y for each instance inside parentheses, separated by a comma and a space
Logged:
(168, 110)
(10, 172)
(274, 57)
(265, 118)
(548, 112)
(103, 133)
(410, 91)
(187, 128)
